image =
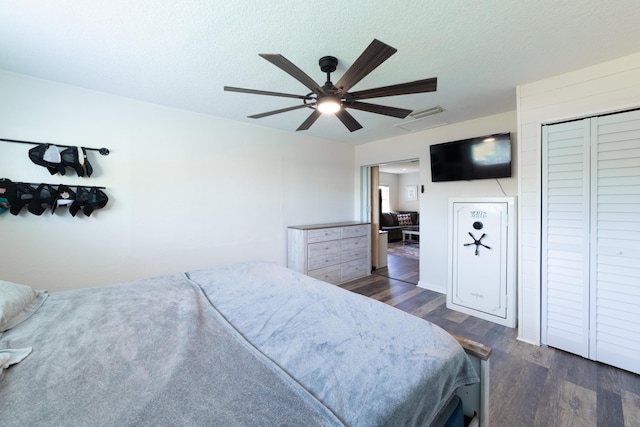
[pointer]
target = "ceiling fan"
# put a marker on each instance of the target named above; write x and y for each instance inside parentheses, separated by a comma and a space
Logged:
(335, 99)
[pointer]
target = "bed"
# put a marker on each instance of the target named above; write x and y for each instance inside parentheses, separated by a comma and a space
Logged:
(245, 344)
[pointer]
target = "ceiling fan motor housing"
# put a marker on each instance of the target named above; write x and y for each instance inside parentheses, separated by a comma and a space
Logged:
(328, 64)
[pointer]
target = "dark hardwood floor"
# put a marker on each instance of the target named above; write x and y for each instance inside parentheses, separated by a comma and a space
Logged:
(529, 385)
(403, 262)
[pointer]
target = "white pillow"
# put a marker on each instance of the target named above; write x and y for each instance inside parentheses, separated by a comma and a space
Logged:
(17, 303)
(404, 219)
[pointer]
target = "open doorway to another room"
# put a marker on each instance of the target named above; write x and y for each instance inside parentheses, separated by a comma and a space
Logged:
(398, 218)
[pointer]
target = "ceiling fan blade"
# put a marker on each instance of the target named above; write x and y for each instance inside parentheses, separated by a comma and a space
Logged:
(418, 86)
(295, 72)
(374, 55)
(282, 110)
(348, 120)
(400, 113)
(310, 120)
(264, 92)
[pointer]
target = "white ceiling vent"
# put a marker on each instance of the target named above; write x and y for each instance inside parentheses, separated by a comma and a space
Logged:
(427, 112)
(421, 124)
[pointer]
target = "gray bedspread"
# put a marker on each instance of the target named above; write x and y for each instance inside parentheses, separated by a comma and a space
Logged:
(250, 344)
(152, 352)
(368, 362)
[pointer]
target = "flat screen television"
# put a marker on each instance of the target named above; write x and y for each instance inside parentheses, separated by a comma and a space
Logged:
(482, 157)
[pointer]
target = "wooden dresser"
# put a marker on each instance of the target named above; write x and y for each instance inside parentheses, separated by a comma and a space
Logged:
(335, 253)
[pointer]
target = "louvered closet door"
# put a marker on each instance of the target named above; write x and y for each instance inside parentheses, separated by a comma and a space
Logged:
(615, 259)
(565, 236)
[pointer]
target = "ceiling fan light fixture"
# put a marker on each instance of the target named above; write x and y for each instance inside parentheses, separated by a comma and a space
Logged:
(328, 105)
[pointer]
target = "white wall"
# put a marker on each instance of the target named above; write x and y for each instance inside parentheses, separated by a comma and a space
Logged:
(405, 180)
(602, 88)
(434, 202)
(186, 190)
(397, 183)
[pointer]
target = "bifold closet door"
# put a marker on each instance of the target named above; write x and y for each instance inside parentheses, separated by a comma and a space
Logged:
(591, 238)
(615, 241)
(565, 236)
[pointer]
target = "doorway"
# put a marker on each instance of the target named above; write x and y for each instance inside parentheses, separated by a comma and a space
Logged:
(393, 190)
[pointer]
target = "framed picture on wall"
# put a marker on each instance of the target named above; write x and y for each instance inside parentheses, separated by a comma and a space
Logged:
(412, 192)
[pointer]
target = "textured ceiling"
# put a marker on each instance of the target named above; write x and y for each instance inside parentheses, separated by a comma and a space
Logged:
(181, 53)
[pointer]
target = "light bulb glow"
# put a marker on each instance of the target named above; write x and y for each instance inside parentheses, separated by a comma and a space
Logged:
(328, 105)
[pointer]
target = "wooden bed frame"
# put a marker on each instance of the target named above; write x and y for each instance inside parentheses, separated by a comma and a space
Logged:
(475, 398)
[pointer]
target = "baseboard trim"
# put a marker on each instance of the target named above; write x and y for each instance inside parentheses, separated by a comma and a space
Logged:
(431, 287)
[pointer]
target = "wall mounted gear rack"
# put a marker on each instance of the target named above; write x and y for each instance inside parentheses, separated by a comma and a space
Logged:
(103, 151)
(64, 185)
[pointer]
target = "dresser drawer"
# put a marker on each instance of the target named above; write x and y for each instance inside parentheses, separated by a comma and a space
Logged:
(324, 261)
(330, 274)
(315, 250)
(354, 244)
(355, 230)
(359, 253)
(354, 270)
(323, 234)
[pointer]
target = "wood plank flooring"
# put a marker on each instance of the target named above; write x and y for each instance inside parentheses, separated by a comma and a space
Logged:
(529, 385)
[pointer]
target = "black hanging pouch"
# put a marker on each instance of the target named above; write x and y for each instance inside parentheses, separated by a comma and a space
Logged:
(82, 197)
(97, 200)
(24, 194)
(47, 155)
(65, 197)
(43, 197)
(76, 158)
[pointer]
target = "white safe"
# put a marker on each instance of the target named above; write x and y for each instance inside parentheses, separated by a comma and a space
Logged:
(482, 254)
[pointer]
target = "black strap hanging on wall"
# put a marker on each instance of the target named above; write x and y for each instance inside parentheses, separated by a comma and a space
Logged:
(103, 151)
(65, 185)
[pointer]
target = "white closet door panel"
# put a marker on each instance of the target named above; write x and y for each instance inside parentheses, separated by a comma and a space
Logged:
(621, 281)
(621, 197)
(615, 258)
(575, 215)
(566, 171)
(610, 153)
(566, 310)
(616, 274)
(617, 225)
(610, 143)
(566, 201)
(616, 173)
(617, 217)
(615, 127)
(615, 262)
(621, 238)
(573, 181)
(570, 235)
(565, 161)
(609, 302)
(610, 190)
